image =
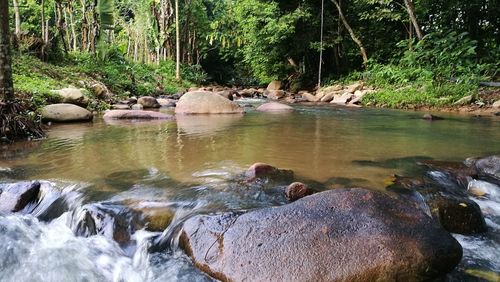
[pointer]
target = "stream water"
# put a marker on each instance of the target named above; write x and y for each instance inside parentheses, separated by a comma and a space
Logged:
(186, 165)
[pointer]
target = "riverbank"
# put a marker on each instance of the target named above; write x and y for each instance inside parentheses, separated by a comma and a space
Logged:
(104, 84)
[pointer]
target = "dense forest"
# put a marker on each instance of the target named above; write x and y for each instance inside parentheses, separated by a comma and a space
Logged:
(257, 41)
(415, 52)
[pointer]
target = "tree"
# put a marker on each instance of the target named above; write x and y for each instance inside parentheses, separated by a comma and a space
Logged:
(6, 87)
(351, 32)
(411, 12)
(14, 122)
(177, 43)
(17, 18)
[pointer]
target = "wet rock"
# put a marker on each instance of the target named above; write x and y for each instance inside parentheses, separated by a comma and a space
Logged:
(262, 170)
(456, 214)
(15, 197)
(297, 190)
(484, 189)
(456, 173)
(274, 85)
(487, 166)
(338, 235)
(115, 222)
(148, 102)
(65, 113)
(430, 117)
(72, 95)
(206, 103)
(133, 114)
(448, 204)
(274, 107)
(155, 215)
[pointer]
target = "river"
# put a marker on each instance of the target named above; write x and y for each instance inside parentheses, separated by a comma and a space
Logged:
(186, 164)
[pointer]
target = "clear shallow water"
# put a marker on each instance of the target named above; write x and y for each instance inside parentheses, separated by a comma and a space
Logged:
(186, 164)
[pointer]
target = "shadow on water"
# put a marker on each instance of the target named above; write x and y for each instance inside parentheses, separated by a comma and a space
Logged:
(407, 165)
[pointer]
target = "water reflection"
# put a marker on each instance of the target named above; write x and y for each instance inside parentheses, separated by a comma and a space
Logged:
(203, 125)
(317, 143)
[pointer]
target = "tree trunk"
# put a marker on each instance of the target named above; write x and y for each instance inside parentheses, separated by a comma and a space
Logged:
(410, 8)
(18, 18)
(84, 26)
(177, 43)
(351, 32)
(43, 21)
(6, 85)
(73, 30)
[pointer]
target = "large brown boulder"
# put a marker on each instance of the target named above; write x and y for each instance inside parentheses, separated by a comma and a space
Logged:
(65, 113)
(135, 114)
(200, 102)
(339, 235)
(274, 85)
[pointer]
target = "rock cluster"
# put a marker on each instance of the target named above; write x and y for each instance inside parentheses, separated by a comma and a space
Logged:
(337, 94)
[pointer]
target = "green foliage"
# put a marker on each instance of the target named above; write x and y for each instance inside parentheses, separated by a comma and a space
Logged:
(36, 79)
(449, 55)
(106, 9)
(438, 70)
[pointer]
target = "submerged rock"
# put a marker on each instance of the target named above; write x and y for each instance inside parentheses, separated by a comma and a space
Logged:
(134, 114)
(262, 170)
(15, 197)
(274, 107)
(156, 216)
(431, 117)
(206, 103)
(65, 113)
(338, 235)
(297, 190)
